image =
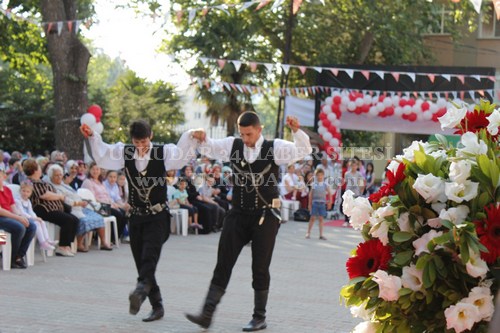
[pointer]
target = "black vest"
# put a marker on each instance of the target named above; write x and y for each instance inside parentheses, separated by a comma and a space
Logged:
(149, 188)
(262, 176)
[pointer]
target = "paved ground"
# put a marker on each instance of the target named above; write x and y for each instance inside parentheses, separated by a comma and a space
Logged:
(89, 293)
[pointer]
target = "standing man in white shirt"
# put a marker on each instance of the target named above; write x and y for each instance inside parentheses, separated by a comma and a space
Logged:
(255, 163)
(145, 167)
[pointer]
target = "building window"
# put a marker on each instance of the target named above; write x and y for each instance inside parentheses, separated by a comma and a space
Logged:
(490, 26)
(443, 20)
(197, 115)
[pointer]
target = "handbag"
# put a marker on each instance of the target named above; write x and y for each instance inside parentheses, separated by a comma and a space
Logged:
(302, 215)
(105, 209)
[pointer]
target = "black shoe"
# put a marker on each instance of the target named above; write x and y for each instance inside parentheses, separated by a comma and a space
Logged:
(255, 325)
(200, 320)
(19, 263)
(155, 314)
(137, 297)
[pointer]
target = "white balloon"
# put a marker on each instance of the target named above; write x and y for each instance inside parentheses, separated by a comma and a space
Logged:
(433, 108)
(441, 103)
(380, 107)
(367, 99)
(345, 100)
(359, 101)
(407, 109)
(426, 115)
(332, 116)
(88, 119)
(398, 111)
(321, 130)
(351, 106)
(373, 111)
(343, 108)
(329, 100)
(336, 123)
(327, 136)
(375, 99)
(320, 123)
(98, 128)
(395, 100)
(334, 142)
(387, 101)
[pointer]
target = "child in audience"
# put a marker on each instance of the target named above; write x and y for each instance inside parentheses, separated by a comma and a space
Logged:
(181, 196)
(318, 201)
(24, 206)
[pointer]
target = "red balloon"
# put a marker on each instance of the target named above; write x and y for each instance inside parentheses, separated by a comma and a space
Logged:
(337, 135)
(96, 111)
(389, 111)
(336, 110)
(412, 116)
(411, 102)
(322, 115)
(402, 103)
(337, 100)
(365, 108)
(332, 129)
(425, 106)
(326, 123)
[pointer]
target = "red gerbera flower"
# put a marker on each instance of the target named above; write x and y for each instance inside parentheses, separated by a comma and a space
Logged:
(488, 231)
(473, 121)
(370, 257)
(391, 181)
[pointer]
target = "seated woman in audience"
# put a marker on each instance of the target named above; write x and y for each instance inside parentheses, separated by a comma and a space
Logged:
(49, 206)
(220, 187)
(111, 184)
(294, 187)
(24, 206)
(181, 196)
(21, 229)
(172, 179)
(207, 193)
(95, 184)
(71, 175)
(89, 220)
(122, 186)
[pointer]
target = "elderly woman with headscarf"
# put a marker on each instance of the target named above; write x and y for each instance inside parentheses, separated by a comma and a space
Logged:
(71, 175)
(89, 220)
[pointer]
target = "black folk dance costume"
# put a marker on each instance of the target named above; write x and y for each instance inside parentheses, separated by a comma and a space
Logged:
(149, 217)
(252, 218)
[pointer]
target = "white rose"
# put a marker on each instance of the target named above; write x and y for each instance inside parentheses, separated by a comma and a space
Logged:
(460, 171)
(471, 145)
(409, 153)
(404, 222)
(412, 278)
(381, 231)
(361, 312)
(348, 202)
(420, 244)
(366, 327)
(393, 166)
(461, 192)
(389, 285)
(476, 267)
(430, 187)
(494, 119)
(461, 316)
(438, 153)
(455, 215)
(481, 297)
(453, 116)
(381, 213)
(361, 212)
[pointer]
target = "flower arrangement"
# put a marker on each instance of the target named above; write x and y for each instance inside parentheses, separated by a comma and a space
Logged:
(431, 233)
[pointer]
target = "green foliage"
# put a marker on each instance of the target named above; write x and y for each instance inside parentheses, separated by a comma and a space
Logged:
(133, 98)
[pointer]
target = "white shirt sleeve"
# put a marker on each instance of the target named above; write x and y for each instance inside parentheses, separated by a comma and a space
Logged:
(107, 156)
(217, 149)
(286, 152)
(176, 156)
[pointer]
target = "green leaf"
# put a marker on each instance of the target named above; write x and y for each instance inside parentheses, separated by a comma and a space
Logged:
(401, 236)
(357, 279)
(484, 165)
(404, 291)
(422, 261)
(464, 252)
(448, 224)
(429, 274)
(442, 139)
(403, 258)
(444, 238)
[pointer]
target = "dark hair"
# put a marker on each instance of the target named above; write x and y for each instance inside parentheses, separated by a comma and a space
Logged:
(140, 129)
(91, 165)
(182, 180)
(248, 118)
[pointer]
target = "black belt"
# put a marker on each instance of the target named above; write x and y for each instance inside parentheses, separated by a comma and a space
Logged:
(148, 210)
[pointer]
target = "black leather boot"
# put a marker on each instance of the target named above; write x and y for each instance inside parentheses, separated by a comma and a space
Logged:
(258, 321)
(137, 297)
(157, 303)
(204, 319)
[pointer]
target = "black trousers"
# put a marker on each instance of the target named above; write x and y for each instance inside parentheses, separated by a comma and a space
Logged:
(147, 235)
(67, 222)
(239, 229)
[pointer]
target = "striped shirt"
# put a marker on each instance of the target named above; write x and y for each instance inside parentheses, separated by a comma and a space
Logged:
(39, 189)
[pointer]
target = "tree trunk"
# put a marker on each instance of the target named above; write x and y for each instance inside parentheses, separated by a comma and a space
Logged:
(69, 59)
(365, 47)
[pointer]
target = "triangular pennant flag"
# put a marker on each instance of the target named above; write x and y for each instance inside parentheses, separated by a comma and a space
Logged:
(203, 60)
(221, 63)
(70, 26)
(253, 66)
(399, 93)
(477, 77)
(237, 64)
(422, 94)
(287, 92)
(296, 6)
(309, 89)
(277, 3)
(262, 4)
(446, 77)
(492, 78)
(179, 15)
(77, 26)
(59, 27)
(431, 77)
(335, 71)
(238, 86)
(318, 89)
(430, 95)
(245, 5)
(297, 91)
(366, 74)
(286, 68)
(380, 74)
(233, 86)
(207, 84)
(477, 5)
(269, 67)
(415, 94)
(303, 69)
(412, 76)
(222, 8)
(481, 92)
(446, 94)
(318, 69)
(497, 8)
(49, 27)
(228, 87)
(191, 16)
(461, 78)
(349, 72)
(395, 76)
(462, 95)
(205, 11)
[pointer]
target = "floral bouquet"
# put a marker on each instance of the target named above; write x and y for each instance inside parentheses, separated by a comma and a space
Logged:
(431, 233)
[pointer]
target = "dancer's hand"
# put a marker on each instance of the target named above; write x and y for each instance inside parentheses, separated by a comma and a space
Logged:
(86, 130)
(293, 123)
(199, 134)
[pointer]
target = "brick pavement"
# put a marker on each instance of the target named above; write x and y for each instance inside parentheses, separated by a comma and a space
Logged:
(89, 293)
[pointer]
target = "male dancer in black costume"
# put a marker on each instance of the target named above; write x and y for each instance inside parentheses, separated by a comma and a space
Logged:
(255, 163)
(145, 167)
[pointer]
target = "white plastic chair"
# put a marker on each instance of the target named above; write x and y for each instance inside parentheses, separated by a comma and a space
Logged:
(6, 250)
(288, 207)
(86, 194)
(179, 215)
